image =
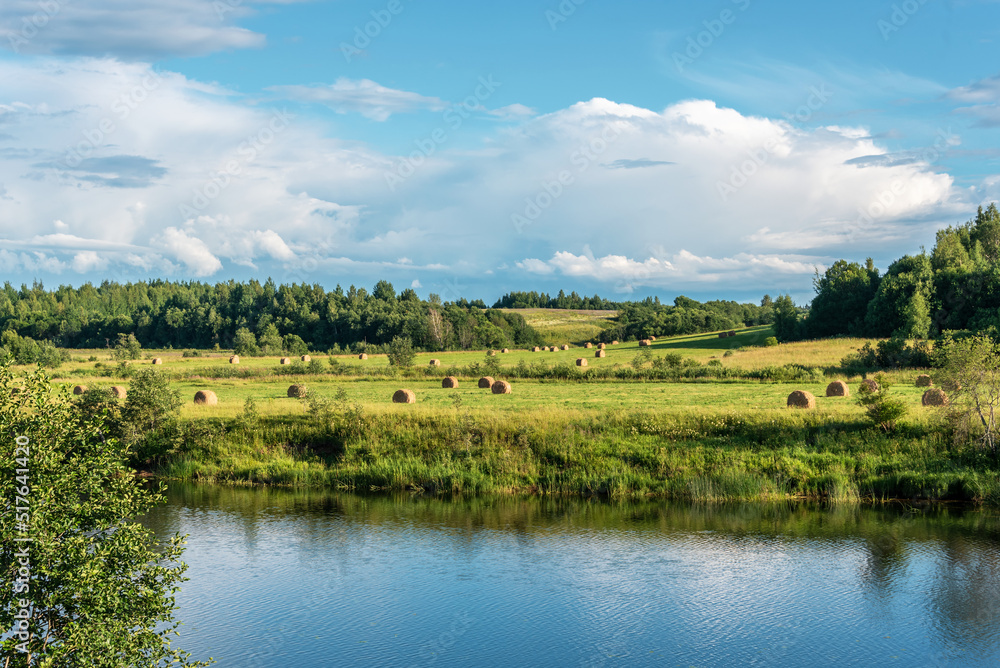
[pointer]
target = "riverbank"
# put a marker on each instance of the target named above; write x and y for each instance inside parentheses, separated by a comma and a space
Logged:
(619, 454)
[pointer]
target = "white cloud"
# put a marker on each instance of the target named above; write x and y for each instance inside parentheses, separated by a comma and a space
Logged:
(87, 261)
(363, 96)
(190, 251)
(128, 29)
(416, 284)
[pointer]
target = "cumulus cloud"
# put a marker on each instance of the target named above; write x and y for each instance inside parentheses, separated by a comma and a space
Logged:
(190, 251)
(983, 98)
(363, 96)
(128, 29)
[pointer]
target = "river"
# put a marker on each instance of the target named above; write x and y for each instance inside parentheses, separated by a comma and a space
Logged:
(296, 579)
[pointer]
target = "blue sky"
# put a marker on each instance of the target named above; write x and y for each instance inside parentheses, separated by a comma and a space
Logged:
(720, 150)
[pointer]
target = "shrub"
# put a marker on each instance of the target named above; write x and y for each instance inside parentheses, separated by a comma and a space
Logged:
(400, 353)
(883, 410)
(771, 341)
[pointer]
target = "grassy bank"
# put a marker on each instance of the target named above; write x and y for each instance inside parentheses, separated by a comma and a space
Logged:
(709, 456)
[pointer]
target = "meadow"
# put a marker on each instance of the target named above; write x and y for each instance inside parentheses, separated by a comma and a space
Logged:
(576, 434)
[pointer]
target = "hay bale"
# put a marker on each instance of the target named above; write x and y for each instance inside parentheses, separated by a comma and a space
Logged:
(306, 358)
(838, 388)
(297, 391)
(588, 345)
(923, 380)
(870, 384)
(505, 351)
(501, 387)
(486, 382)
(435, 363)
(205, 398)
(732, 333)
(404, 397)
(565, 347)
(79, 389)
(652, 338)
(362, 356)
(156, 360)
(119, 391)
(235, 359)
(492, 353)
(450, 382)
(934, 397)
(602, 346)
(614, 343)
(801, 399)
(286, 360)
(601, 353)
(723, 335)
(581, 361)
(553, 349)
(645, 343)
(536, 349)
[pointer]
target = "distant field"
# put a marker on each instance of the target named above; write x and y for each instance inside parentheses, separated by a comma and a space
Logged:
(558, 326)
(708, 396)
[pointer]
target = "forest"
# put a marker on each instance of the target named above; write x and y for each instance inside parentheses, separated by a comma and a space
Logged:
(265, 318)
(952, 291)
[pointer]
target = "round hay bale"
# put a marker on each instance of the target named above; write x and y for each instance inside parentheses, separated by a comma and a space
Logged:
(505, 351)
(404, 397)
(536, 349)
(79, 389)
(306, 358)
(501, 387)
(581, 361)
(652, 338)
(614, 343)
(492, 353)
(119, 391)
(205, 398)
(601, 353)
(934, 397)
(435, 363)
(235, 359)
(723, 335)
(732, 333)
(565, 347)
(870, 384)
(553, 349)
(362, 356)
(645, 343)
(450, 382)
(156, 360)
(588, 345)
(951, 385)
(486, 382)
(286, 360)
(801, 399)
(602, 346)
(838, 388)
(923, 380)
(297, 391)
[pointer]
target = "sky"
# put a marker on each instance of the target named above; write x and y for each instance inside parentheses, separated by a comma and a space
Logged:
(720, 150)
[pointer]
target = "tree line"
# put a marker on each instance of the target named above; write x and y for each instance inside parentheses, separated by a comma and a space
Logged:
(953, 290)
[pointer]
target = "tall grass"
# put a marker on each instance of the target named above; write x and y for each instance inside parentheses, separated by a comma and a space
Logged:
(625, 454)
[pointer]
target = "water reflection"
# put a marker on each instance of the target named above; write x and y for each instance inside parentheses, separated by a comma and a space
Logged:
(304, 578)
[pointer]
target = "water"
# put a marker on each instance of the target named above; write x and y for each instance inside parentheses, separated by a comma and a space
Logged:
(296, 579)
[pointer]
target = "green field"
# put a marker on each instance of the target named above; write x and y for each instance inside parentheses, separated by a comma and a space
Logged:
(702, 438)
